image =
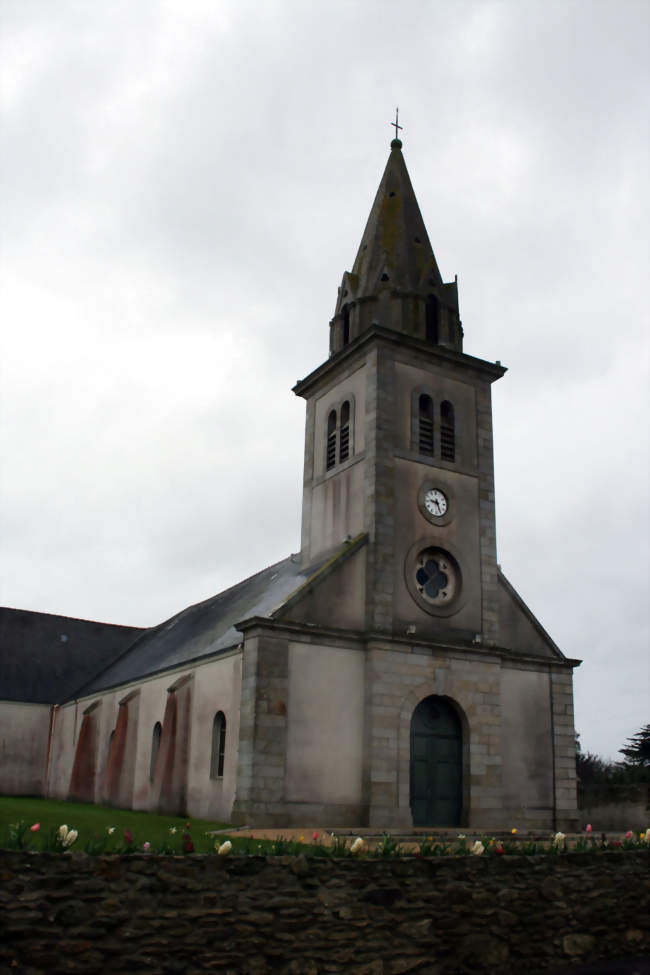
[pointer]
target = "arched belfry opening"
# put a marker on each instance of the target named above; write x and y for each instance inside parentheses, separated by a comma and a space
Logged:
(432, 320)
(436, 763)
(346, 324)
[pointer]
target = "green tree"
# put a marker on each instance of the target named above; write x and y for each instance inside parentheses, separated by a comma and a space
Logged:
(637, 751)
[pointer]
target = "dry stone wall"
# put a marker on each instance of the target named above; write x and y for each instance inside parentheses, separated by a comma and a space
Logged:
(189, 915)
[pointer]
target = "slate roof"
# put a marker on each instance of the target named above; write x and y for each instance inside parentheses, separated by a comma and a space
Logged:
(207, 627)
(44, 658)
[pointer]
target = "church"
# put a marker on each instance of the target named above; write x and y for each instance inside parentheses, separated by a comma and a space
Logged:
(388, 675)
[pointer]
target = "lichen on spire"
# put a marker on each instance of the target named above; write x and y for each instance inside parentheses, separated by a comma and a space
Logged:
(395, 261)
(395, 241)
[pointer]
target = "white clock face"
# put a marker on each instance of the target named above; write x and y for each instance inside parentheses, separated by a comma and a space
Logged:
(435, 502)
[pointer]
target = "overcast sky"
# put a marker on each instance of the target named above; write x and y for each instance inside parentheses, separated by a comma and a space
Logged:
(183, 185)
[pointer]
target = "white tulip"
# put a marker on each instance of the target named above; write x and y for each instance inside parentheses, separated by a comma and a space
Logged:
(70, 837)
(62, 833)
(358, 846)
(478, 848)
(558, 840)
(224, 849)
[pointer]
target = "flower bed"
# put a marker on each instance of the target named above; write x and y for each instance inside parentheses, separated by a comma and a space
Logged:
(22, 836)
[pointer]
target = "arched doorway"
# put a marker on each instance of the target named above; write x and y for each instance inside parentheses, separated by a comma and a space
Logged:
(436, 764)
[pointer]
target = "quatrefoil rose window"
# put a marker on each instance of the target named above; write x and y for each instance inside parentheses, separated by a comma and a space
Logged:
(437, 578)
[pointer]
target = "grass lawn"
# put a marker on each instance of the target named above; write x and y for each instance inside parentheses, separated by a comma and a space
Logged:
(92, 823)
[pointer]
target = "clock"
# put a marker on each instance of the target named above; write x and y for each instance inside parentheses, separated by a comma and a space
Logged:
(435, 501)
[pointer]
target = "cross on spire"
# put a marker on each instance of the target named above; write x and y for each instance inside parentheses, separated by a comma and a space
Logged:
(396, 124)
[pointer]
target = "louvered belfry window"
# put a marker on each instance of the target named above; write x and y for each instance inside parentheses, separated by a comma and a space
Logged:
(425, 425)
(331, 440)
(344, 433)
(447, 431)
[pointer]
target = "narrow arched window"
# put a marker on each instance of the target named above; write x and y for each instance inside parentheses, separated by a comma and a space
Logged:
(447, 431)
(344, 433)
(431, 319)
(346, 324)
(155, 748)
(425, 425)
(218, 745)
(331, 440)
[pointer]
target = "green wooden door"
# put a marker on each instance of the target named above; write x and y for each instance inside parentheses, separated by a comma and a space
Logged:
(436, 764)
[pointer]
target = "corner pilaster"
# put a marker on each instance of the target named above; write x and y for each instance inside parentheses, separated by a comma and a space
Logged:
(487, 514)
(262, 752)
(379, 489)
(564, 750)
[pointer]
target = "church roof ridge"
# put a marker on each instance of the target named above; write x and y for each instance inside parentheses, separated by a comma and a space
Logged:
(44, 656)
(71, 619)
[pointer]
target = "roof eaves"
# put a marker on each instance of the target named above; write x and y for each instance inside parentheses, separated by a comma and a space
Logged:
(152, 674)
(491, 370)
(93, 684)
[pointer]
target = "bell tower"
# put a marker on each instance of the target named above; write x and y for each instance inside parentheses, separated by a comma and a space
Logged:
(399, 435)
(411, 683)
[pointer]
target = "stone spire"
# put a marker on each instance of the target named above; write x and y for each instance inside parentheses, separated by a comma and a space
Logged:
(395, 276)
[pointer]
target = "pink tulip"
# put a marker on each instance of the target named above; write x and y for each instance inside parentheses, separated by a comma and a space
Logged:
(315, 836)
(146, 847)
(35, 828)
(588, 828)
(628, 835)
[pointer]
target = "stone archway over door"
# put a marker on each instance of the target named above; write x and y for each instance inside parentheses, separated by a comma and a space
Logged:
(436, 764)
